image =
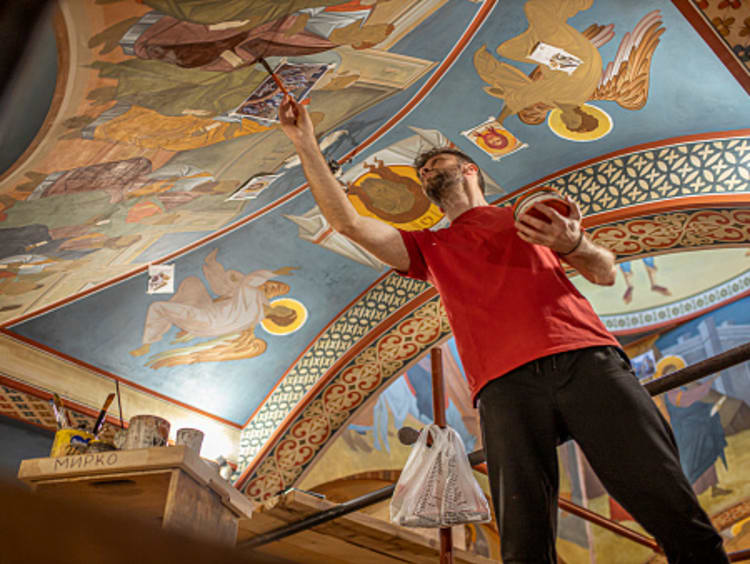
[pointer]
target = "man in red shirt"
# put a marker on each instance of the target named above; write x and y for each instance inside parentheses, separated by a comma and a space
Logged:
(538, 360)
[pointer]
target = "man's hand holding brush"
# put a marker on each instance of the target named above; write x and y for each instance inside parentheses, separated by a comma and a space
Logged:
(296, 123)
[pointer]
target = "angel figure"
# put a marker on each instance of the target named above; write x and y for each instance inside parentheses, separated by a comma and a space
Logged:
(243, 301)
(581, 76)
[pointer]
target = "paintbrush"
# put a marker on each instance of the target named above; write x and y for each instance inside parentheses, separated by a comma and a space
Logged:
(60, 412)
(100, 419)
(276, 79)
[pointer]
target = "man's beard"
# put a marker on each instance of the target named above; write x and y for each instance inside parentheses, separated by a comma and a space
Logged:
(442, 183)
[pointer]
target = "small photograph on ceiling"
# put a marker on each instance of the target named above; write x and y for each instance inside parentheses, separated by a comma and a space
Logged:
(263, 103)
(160, 279)
(555, 58)
(253, 187)
(494, 139)
(644, 365)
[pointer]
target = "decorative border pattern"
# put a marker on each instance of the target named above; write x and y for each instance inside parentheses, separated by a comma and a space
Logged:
(35, 410)
(728, 19)
(714, 29)
(378, 304)
(698, 168)
(678, 230)
(350, 387)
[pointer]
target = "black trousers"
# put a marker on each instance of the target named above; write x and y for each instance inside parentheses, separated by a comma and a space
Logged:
(592, 396)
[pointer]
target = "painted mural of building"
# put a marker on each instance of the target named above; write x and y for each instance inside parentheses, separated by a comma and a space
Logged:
(710, 340)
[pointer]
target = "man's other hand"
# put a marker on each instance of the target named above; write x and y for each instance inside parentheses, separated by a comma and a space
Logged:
(561, 234)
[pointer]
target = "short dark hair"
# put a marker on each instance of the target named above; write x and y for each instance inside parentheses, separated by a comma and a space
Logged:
(425, 156)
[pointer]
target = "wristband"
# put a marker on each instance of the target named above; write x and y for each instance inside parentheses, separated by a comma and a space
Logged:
(575, 247)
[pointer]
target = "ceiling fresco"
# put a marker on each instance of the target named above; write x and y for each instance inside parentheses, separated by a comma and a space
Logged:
(160, 148)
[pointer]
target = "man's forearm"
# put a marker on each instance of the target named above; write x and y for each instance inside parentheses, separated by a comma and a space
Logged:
(595, 263)
(331, 199)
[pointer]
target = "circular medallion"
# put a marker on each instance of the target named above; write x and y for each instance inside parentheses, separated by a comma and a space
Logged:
(393, 194)
(595, 124)
(276, 327)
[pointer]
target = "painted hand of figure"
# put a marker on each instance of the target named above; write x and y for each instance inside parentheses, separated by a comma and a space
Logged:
(295, 121)
(561, 234)
(286, 270)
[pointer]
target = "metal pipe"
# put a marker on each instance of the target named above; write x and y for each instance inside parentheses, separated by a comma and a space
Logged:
(438, 414)
(699, 370)
(320, 518)
(608, 524)
(740, 555)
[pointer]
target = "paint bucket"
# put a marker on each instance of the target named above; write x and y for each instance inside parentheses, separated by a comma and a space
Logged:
(146, 431)
(191, 438)
(541, 195)
(70, 441)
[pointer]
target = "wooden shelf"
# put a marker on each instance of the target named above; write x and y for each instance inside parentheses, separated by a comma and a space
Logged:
(175, 488)
(171, 485)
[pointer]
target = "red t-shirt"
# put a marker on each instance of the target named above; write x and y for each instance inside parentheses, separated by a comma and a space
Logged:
(508, 302)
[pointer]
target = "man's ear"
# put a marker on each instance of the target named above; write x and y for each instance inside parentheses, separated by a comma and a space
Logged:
(471, 167)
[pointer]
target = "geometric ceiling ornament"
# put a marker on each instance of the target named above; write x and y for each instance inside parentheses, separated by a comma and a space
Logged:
(672, 168)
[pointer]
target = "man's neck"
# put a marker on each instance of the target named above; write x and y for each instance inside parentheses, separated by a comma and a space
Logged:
(461, 203)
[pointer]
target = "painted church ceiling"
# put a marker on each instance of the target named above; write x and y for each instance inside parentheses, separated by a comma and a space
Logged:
(155, 227)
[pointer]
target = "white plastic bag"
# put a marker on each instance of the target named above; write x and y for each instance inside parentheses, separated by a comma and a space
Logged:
(437, 487)
(463, 499)
(417, 498)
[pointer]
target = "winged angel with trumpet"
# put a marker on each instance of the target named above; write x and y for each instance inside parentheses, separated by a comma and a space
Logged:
(625, 80)
(243, 301)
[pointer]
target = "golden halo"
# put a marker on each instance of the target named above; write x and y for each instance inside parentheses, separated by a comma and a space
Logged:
(298, 308)
(555, 123)
(425, 221)
(673, 361)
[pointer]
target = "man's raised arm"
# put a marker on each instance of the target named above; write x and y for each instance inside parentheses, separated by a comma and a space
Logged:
(381, 239)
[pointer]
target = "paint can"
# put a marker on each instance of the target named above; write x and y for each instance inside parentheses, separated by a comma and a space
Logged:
(70, 441)
(541, 195)
(146, 431)
(191, 438)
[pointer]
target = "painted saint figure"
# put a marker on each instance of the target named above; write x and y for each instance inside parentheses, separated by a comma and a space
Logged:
(243, 301)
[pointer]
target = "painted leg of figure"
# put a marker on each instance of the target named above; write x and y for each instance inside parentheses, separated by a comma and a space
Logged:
(651, 269)
(627, 273)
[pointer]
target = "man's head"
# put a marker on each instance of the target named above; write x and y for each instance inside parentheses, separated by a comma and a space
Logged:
(442, 167)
